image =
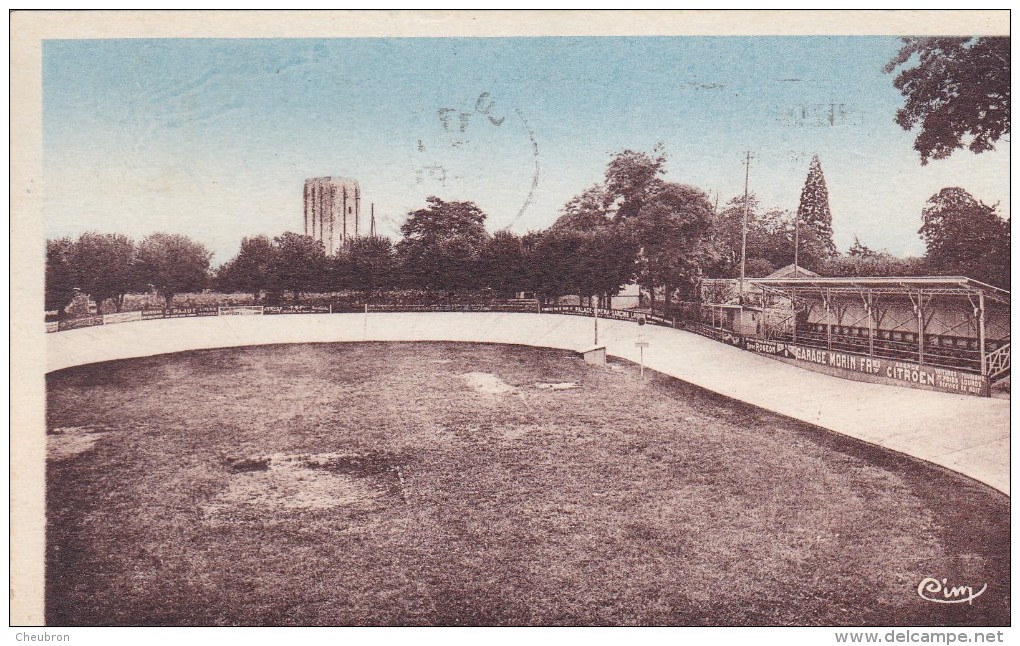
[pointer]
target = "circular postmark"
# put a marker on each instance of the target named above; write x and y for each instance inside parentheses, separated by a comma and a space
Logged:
(479, 151)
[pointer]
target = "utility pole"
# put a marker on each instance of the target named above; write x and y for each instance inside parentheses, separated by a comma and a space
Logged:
(357, 211)
(796, 243)
(371, 230)
(743, 241)
(343, 232)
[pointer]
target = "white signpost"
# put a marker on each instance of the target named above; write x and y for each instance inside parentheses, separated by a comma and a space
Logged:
(642, 344)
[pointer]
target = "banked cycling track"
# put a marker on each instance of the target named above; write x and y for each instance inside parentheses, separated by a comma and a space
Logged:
(967, 434)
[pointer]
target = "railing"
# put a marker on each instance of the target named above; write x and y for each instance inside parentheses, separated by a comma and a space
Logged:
(938, 352)
(616, 315)
(997, 364)
(717, 333)
(511, 305)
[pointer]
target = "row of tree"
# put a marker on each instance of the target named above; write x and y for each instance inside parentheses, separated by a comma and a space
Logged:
(634, 226)
(108, 266)
(445, 250)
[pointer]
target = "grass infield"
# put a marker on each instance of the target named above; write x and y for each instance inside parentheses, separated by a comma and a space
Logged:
(443, 483)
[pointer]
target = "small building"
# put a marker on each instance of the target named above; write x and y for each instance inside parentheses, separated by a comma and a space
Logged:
(790, 271)
(629, 297)
(725, 307)
(744, 320)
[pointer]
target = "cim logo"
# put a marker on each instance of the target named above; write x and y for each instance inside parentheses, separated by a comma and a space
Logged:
(939, 591)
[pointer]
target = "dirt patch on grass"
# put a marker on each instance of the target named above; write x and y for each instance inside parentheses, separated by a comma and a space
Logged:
(305, 482)
(69, 441)
(486, 383)
(563, 385)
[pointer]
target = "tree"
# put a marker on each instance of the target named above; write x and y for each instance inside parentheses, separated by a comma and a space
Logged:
(370, 263)
(557, 262)
(501, 264)
(589, 251)
(958, 91)
(966, 237)
(772, 239)
(585, 263)
(172, 264)
(60, 282)
(775, 239)
(813, 211)
(586, 212)
(249, 271)
(104, 267)
(861, 250)
(530, 243)
(727, 235)
(632, 178)
(759, 268)
(609, 257)
(299, 264)
(605, 248)
(441, 245)
(672, 230)
(875, 263)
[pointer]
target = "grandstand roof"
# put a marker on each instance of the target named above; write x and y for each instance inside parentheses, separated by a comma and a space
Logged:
(817, 286)
(791, 271)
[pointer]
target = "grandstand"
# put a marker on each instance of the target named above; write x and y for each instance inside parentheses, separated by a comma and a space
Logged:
(931, 326)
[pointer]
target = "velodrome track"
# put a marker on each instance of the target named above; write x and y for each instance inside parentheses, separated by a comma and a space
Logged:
(963, 433)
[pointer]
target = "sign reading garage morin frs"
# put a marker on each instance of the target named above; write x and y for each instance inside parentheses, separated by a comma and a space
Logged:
(873, 369)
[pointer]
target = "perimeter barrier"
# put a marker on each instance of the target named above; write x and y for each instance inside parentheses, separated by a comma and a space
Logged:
(842, 362)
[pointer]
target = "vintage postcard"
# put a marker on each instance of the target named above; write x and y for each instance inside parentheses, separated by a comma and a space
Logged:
(689, 318)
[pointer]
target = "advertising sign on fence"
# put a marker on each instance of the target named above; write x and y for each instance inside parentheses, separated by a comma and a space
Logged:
(306, 309)
(188, 312)
(877, 369)
(241, 310)
(121, 317)
(295, 309)
(85, 321)
(618, 315)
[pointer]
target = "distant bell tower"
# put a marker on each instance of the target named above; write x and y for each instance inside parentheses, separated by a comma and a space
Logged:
(332, 211)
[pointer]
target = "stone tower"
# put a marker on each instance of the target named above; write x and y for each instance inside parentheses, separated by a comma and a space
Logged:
(332, 211)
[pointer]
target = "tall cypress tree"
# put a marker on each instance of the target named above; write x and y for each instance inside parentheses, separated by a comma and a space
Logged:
(813, 210)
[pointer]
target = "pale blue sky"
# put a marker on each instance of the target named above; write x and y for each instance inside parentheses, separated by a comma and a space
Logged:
(214, 138)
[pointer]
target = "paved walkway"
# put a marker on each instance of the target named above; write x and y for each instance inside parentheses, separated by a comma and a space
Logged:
(963, 433)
